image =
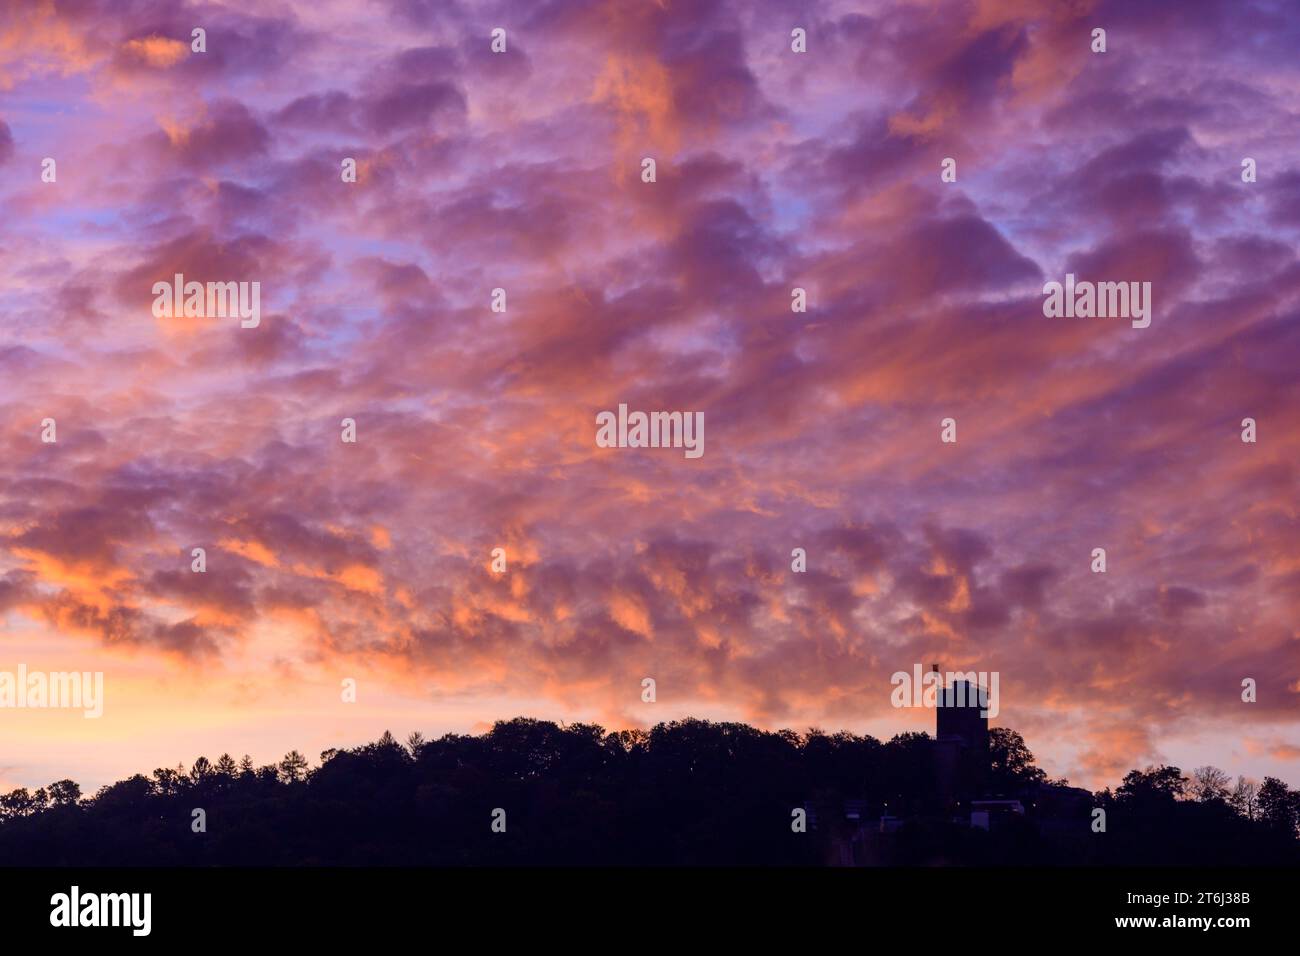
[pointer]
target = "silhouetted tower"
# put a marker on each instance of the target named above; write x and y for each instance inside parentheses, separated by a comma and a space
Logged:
(961, 736)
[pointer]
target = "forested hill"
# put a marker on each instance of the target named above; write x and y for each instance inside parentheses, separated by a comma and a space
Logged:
(687, 792)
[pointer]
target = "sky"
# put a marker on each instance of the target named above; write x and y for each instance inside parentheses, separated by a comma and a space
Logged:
(371, 561)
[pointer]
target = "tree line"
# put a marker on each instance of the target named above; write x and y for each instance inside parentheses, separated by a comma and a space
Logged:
(687, 792)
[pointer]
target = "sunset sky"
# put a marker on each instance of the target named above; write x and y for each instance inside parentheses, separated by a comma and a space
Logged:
(476, 429)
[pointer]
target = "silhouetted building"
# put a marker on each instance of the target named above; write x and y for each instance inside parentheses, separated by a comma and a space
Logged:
(961, 735)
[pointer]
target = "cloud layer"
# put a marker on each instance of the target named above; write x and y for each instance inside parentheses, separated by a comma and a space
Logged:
(775, 170)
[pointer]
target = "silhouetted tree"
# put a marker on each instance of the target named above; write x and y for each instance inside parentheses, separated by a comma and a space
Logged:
(64, 793)
(1277, 805)
(201, 770)
(166, 781)
(1244, 797)
(293, 767)
(226, 766)
(130, 794)
(1158, 784)
(16, 803)
(1209, 783)
(1011, 765)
